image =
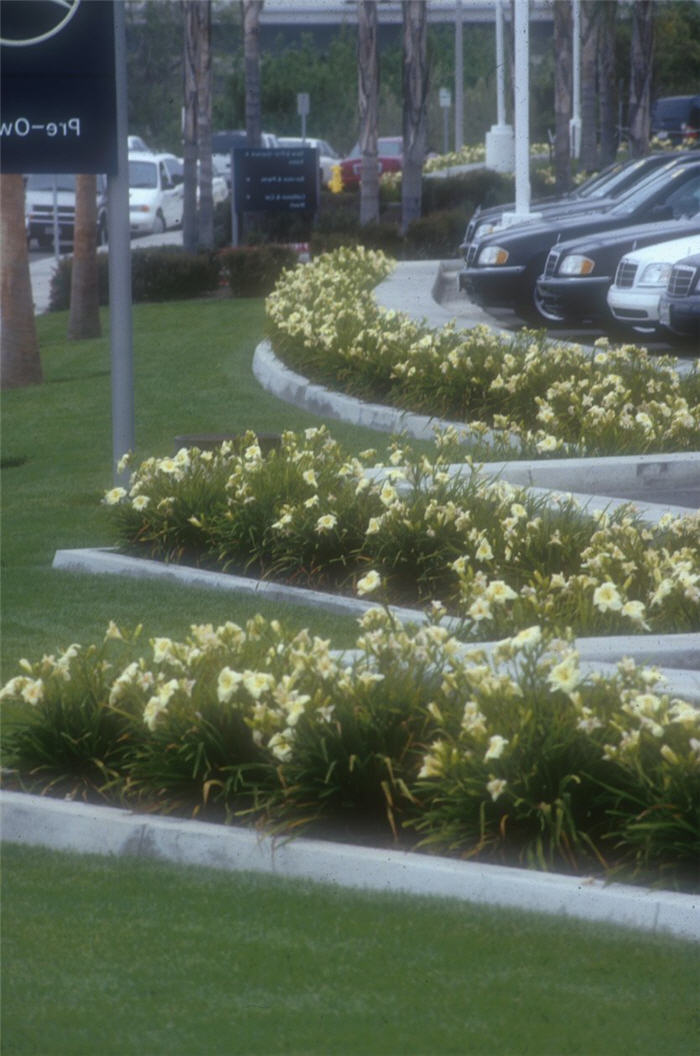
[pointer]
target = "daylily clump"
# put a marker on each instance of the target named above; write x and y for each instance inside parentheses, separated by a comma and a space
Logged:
(551, 399)
(511, 754)
(412, 531)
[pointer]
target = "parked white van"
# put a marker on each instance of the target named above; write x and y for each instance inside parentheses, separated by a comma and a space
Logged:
(641, 278)
(155, 200)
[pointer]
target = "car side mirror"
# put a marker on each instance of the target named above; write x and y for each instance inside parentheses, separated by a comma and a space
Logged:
(177, 179)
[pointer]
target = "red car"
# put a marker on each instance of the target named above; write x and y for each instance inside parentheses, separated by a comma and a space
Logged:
(389, 156)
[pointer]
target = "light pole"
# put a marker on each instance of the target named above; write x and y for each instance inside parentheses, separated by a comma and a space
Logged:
(575, 122)
(459, 78)
(499, 139)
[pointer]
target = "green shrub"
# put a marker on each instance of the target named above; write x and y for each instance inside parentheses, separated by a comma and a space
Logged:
(169, 273)
(436, 237)
(252, 271)
(165, 273)
(466, 191)
(59, 298)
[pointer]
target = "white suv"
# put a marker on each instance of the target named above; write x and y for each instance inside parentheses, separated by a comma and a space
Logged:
(641, 278)
(42, 192)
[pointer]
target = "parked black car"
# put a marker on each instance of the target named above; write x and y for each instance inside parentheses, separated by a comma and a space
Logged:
(502, 269)
(579, 272)
(679, 306)
(599, 190)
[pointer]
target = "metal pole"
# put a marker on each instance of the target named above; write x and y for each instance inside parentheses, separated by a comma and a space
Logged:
(500, 68)
(56, 232)
(120, 322)
(522, 108)
(575, 123)
(459, 78)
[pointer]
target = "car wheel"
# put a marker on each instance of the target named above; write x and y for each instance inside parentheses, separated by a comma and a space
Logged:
(542, 314)
(159, 224)
(102, 233)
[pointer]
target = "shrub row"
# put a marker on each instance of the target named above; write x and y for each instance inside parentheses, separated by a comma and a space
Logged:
(496, 556)
(513, 758)
(168, 273)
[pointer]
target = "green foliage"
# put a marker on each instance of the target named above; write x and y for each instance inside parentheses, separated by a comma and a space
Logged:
(497, 557)
(437, 236)
(154, 37)
(324, 323)
(511, 755)
(61, 282)
(466, 191)
(164, 273)
(252, 271)
(170, 274)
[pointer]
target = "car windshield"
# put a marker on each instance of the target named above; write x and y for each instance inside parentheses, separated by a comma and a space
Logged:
(390, 148)
(624, 175)
(639, 193)
(143, 174)
(45, 182)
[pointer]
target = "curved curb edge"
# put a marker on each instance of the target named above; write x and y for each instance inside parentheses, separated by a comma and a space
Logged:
(80, 828)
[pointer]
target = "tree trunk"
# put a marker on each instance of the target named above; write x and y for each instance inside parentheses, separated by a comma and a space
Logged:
(563, 29)
(251, 54)
(84, 319)
(641, 62)
(607, 84)
(368, 103)
(589, 55)
(19, 347)
(415, 93)
(190, 234)
(204, 87)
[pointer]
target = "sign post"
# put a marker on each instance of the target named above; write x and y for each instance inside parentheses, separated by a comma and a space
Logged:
(445, 103)
(63, 110)
(303, 109)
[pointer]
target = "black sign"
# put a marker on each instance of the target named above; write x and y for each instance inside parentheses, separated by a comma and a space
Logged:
(267, 180)
(57, 83)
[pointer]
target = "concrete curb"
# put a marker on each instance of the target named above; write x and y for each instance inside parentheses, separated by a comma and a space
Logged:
(629, 474)
(677, 654)
(80, 828)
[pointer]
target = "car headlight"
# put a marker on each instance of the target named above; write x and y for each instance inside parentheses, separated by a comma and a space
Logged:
(492, 255)
(576, 264)
(486, 227)
(655, 275)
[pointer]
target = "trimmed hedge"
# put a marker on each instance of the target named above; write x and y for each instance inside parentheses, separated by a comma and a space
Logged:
(253, 270)
(164, 273)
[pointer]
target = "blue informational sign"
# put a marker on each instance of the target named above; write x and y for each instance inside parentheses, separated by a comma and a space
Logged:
(279, 179)
(57, 86)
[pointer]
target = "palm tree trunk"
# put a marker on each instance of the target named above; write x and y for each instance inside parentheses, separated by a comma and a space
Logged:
(368, 103)
(19, 347)
(641, 64)
(84, 319)
(563, 28)
(589, 72)
(206, 204)
(607, 85)
(415, 92)
(251, 56)
(190, 234)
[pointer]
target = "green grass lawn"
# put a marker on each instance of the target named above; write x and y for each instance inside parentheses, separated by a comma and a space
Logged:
(129, 956)
(192, 365)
